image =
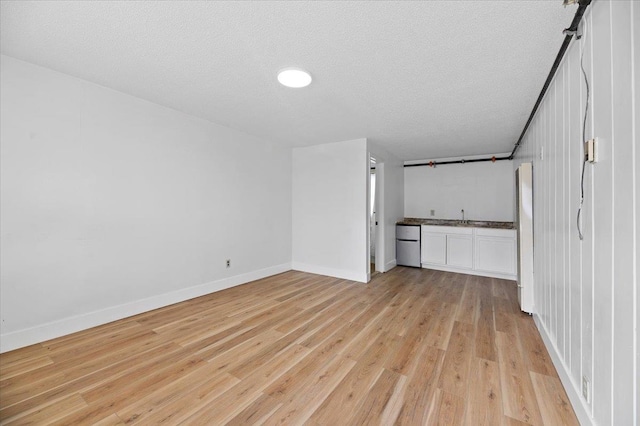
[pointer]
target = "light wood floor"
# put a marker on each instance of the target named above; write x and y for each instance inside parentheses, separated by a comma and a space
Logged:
(411, 347)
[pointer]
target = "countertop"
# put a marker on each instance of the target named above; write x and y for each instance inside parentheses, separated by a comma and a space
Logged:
(459, 223)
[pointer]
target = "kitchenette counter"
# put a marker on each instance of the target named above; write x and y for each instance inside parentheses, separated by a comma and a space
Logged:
(475, 247)
(457, 223)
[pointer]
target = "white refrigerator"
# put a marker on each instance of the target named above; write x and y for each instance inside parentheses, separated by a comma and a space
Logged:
(524, 225)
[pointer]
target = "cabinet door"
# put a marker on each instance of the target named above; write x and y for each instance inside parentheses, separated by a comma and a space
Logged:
(434, 248)
(460, 251)
(496, 255)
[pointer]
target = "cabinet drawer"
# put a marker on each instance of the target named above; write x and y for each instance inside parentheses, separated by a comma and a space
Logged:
(447, 230)
(492, 232)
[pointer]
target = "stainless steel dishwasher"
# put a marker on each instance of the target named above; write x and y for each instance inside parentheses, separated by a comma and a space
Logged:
(408, 245)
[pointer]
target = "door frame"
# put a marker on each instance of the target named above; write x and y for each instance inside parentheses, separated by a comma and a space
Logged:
(380, 217)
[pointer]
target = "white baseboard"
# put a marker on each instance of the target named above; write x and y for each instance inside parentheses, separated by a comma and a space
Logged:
(331, 272)
(44, 332)
(573, 389)
(390, 265)
(470, 271)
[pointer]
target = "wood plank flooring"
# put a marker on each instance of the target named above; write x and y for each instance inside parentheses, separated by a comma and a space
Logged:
(412, 347)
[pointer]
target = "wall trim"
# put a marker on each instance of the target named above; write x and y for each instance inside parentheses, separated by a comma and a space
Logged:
(470, 271)
(572, 389)
(390, 265)
(51, 330)
(331, 272)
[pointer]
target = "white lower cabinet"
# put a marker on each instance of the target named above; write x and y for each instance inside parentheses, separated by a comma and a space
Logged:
(460, 251)
(478, 251)
(496, 250)
(433, 248)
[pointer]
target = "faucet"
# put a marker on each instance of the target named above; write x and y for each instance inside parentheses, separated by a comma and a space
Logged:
(462, 211)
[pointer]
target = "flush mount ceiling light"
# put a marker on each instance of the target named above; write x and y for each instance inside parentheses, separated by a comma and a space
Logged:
(294, 77)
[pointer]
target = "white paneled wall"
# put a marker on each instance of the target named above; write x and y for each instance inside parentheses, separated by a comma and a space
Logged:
(586, 291)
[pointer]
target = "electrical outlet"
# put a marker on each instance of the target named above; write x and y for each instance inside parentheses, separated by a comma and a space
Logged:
(586, 389)
(433, 212)
(228, 263)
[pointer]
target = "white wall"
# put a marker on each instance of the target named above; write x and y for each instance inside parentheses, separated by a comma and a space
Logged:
(112, 205)
(392, 196)
(330, 211)
(586, 292)
(484, 190)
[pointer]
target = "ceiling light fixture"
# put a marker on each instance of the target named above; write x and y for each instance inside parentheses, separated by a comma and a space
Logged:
(294, 77)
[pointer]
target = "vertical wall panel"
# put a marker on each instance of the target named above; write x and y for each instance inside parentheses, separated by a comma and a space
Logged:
(566, 247)
(587, 216)
(545, 224)
(586, 291)
(574, 171)
(553, 204)
(623, 278)
(575, 248)
(538, 205)
(635, 28)
(603, 213)
(550, 203)
(559, 216)
(538, 219)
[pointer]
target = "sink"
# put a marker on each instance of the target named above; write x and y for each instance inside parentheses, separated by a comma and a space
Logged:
(476, 222)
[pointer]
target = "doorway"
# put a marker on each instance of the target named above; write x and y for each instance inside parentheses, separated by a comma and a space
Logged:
(373, 223)
(376, 216)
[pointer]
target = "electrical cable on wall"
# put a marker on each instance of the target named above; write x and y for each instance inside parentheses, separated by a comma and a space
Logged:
(584, 141)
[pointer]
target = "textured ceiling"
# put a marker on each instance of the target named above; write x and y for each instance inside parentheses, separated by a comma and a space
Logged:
(424, 79)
